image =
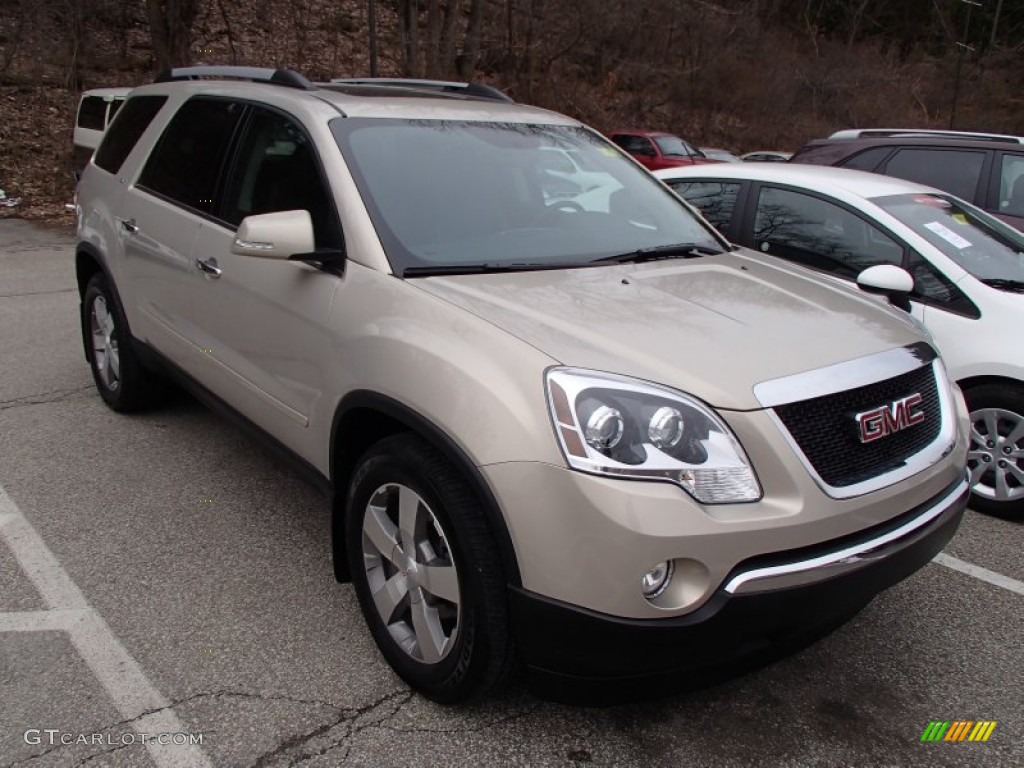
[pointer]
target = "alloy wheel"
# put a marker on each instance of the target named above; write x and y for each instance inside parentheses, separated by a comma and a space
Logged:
(105, 354)
(996, 456)
(411, 573)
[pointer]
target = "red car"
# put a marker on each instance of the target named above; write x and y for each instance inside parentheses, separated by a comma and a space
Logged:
(655, 149)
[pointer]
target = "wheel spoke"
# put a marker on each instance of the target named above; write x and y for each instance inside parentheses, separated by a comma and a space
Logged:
(1017, 434)
(1018, 473)
(390, 596)
(429, 635)
(977, 472)
(114, 359)
(440, 581)
(977, 439)
(408, 518)
(992, 424)
(381, 532)
(1002, 488)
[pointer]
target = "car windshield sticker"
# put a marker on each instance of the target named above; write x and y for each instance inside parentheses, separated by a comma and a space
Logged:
(948, 235)
(959, 218)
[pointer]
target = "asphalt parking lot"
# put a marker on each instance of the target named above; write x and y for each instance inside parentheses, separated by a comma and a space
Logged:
(160, 574)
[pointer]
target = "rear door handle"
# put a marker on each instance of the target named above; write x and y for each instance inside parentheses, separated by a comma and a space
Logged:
(129, 225)
(209, 267)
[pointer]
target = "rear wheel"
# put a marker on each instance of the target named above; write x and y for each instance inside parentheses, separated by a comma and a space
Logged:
(426, 571)
(996, 456)
(120, 378)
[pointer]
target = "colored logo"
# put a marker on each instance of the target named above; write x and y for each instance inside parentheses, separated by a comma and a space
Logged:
(888, 419)
(958, 730)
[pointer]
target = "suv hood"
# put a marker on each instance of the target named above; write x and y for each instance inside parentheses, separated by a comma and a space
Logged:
(713, 327)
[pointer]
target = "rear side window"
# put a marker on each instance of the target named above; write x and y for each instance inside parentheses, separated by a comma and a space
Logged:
(124, 133)
(186, 162)
(637, 145)
(715, 199)
(92, 113)
(953, 171)
(867, 160)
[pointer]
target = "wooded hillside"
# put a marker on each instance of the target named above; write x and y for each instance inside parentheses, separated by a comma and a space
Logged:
(741, 74)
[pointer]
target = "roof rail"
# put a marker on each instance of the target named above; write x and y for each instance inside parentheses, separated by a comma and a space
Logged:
(286, 77)
(476, 90)
(910, 133)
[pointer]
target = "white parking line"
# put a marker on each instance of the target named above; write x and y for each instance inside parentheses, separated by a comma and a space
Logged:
(983, 574)
(133, 694)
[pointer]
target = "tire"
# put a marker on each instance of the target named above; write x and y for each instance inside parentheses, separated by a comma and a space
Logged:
(444, 630)
(996, 456)
(120, 378)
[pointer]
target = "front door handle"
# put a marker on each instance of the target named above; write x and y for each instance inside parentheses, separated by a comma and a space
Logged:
(209, 267)
(129, 225)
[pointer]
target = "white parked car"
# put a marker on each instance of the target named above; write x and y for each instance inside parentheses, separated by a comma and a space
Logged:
(96, 108)
(965, 278)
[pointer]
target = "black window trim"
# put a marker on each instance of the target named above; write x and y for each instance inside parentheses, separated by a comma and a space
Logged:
(992, 198)
(969, 310)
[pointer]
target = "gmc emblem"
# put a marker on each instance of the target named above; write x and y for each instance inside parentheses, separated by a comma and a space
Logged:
(887, 419)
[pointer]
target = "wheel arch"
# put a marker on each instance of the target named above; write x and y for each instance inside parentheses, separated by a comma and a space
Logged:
(89, 262)
(975, 381)
(368, 417)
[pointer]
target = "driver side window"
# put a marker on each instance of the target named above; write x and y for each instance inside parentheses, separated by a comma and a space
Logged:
(278, 171)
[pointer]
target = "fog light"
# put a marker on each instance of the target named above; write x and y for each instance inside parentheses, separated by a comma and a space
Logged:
(655, 580)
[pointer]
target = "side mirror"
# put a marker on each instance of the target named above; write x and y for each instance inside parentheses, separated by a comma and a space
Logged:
(890, 281)
(275, 235)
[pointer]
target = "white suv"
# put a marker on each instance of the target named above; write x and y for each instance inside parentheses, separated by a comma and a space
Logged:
(600, 442)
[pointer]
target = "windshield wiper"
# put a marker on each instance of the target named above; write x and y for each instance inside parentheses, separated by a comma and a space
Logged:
(1004, 285)
(677, 251)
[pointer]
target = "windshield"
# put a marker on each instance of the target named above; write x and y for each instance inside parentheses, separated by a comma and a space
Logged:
(673, 146)
(981, 244)
(449, 194)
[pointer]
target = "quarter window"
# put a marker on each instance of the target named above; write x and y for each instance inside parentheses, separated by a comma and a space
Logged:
(715, 199)
(820, 234)
(187, 160)
(953, 171)
(124, 133)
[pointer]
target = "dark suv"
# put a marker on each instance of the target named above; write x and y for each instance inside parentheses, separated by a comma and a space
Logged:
(983, 168)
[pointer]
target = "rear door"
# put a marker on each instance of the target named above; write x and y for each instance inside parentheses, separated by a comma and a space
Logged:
(160, 218)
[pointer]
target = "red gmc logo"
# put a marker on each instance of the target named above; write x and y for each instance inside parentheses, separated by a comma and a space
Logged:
(882, 421)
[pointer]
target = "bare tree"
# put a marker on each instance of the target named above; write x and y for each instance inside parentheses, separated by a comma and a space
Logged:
(170, 23)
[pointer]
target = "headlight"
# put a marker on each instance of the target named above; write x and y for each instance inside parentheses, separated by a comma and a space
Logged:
(614, 425)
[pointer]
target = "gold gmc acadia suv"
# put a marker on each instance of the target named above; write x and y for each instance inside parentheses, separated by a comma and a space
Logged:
(565, 424)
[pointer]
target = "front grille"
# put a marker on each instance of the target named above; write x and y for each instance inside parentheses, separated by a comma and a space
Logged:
(826, 431)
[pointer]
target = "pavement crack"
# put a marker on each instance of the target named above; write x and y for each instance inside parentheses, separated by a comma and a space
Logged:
(345, 716)
(92, 757)
(54, 396)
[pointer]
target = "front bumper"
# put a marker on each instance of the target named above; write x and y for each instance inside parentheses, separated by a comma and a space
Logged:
(766, 602)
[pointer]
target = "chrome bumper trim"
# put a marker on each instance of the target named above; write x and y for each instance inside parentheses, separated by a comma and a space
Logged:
(856, 556)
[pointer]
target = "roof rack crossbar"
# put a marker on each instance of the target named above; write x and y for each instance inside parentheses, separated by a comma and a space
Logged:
(477, 90)
(286, 77)
(909, 133)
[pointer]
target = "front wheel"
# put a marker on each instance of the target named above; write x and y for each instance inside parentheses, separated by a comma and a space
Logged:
(996, 457)
(426, 571)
